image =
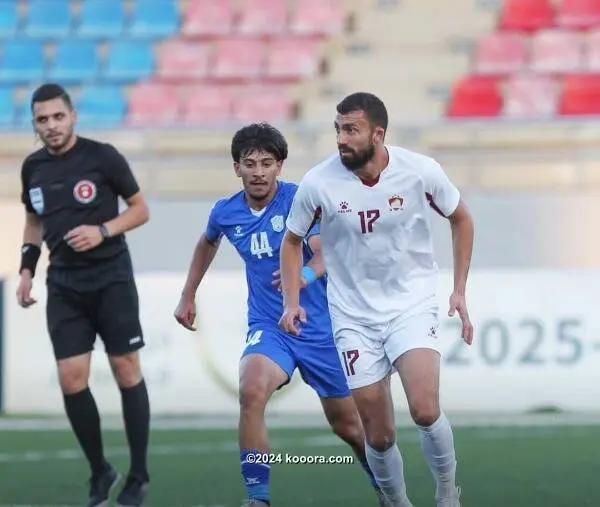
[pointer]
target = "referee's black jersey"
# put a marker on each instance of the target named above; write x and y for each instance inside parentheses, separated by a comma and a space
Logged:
(79, 187)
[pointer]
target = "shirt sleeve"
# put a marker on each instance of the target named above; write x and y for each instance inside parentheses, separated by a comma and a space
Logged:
(25, 199)
(442, 195)
(305, 210)
(214, 231)
(119, 173)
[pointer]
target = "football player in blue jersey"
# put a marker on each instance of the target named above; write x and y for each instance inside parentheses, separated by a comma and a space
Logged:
(253, 220)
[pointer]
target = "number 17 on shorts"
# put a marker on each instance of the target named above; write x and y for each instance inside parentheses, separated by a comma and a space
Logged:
(349, 358)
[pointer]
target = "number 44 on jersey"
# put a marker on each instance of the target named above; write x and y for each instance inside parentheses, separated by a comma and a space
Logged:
(259, 245)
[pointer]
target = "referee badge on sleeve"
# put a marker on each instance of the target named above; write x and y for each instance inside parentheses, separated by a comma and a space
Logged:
(277, 223)
(36, 197)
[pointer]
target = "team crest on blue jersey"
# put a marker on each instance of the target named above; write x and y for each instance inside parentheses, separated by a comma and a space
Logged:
(36, 197)
(277, 223)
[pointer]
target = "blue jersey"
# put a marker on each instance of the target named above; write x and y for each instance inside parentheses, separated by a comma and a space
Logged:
(257, 237)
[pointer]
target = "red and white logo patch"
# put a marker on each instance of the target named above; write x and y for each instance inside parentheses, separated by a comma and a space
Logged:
(84, 191)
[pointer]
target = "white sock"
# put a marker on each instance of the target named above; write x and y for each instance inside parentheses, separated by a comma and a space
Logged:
(437, 443)
(388, 469)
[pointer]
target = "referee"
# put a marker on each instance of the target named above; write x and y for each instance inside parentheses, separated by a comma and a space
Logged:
(70, 192)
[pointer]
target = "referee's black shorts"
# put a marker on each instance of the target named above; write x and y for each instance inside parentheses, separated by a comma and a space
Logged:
(75, 317)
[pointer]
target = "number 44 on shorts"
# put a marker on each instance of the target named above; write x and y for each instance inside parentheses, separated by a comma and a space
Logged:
(350, 357)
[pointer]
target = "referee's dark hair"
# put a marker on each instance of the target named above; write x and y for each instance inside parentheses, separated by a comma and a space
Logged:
(50, 91)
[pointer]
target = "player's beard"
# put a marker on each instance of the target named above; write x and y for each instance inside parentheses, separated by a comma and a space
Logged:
(358, 159)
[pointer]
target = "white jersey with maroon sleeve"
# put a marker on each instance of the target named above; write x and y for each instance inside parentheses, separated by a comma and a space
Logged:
(376, 240)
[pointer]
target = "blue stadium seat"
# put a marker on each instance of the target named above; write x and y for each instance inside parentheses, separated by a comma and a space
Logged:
(75, 60)
(7, 107)
(22, 62)
(101, 106)
(154, 19)
(9, 19)
(103, 19)
(46, 22)
(130, 61)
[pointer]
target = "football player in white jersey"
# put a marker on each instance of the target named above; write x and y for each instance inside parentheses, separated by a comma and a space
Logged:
(374, 205)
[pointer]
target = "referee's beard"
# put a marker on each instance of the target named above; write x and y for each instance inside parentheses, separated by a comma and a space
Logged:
(57, 142)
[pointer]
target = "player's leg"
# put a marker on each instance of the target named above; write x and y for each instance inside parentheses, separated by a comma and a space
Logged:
(320, 367)
(367, 370)
(119, 327)
(265, 366)
(415, 344)
(73, 335)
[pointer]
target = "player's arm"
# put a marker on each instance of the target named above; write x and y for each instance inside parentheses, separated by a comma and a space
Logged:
(303, 215)
(316, 263)
(125, 185)
(204, 254)
(445, 198)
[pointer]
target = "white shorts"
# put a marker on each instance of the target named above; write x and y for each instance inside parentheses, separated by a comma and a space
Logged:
(368, 356)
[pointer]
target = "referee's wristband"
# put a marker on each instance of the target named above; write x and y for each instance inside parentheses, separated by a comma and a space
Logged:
(30, 254)
(309, 274)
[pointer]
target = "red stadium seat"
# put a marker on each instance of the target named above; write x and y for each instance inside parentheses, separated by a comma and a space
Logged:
(263, 17)
(476, 97)
(592, 53)
(501, 53)
(238, 60)
(579, 13)
(207, 105)
(208, 18)
(530, 96)
(527, 15)
(581, 95)
(318, 17)
(292, 59)
(181, 60)
(152, 104)
(263, 104)
(557, 51)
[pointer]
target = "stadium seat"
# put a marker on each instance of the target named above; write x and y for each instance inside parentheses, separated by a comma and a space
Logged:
(154, 19)
(152, 104)
(580, 95)
(527, 15)
(9, 19)
(263, 17)
(579, 14)
(291, 59)
(102, 19)
(501, 53)
(592, 53)
(75, 60)
(45, 22)
(474, 97)
(530, 96)
(207, 18)
(318, 17)
(7, 107)
(207, 105)
(557, 51)
(181, 60)
(262, 105)
(101, 106)
(22, 62)
(238, 60)
(130, 61)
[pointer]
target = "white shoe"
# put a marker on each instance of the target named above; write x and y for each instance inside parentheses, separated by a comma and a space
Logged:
(384, 502)
(452, 500)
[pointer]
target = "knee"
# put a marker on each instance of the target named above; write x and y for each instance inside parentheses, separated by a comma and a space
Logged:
(73, 374)
(126, 369)
(253, 397)
(379, 434)
(349, 429)
(425, 412)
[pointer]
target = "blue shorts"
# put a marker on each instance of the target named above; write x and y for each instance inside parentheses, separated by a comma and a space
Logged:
(317, 361)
